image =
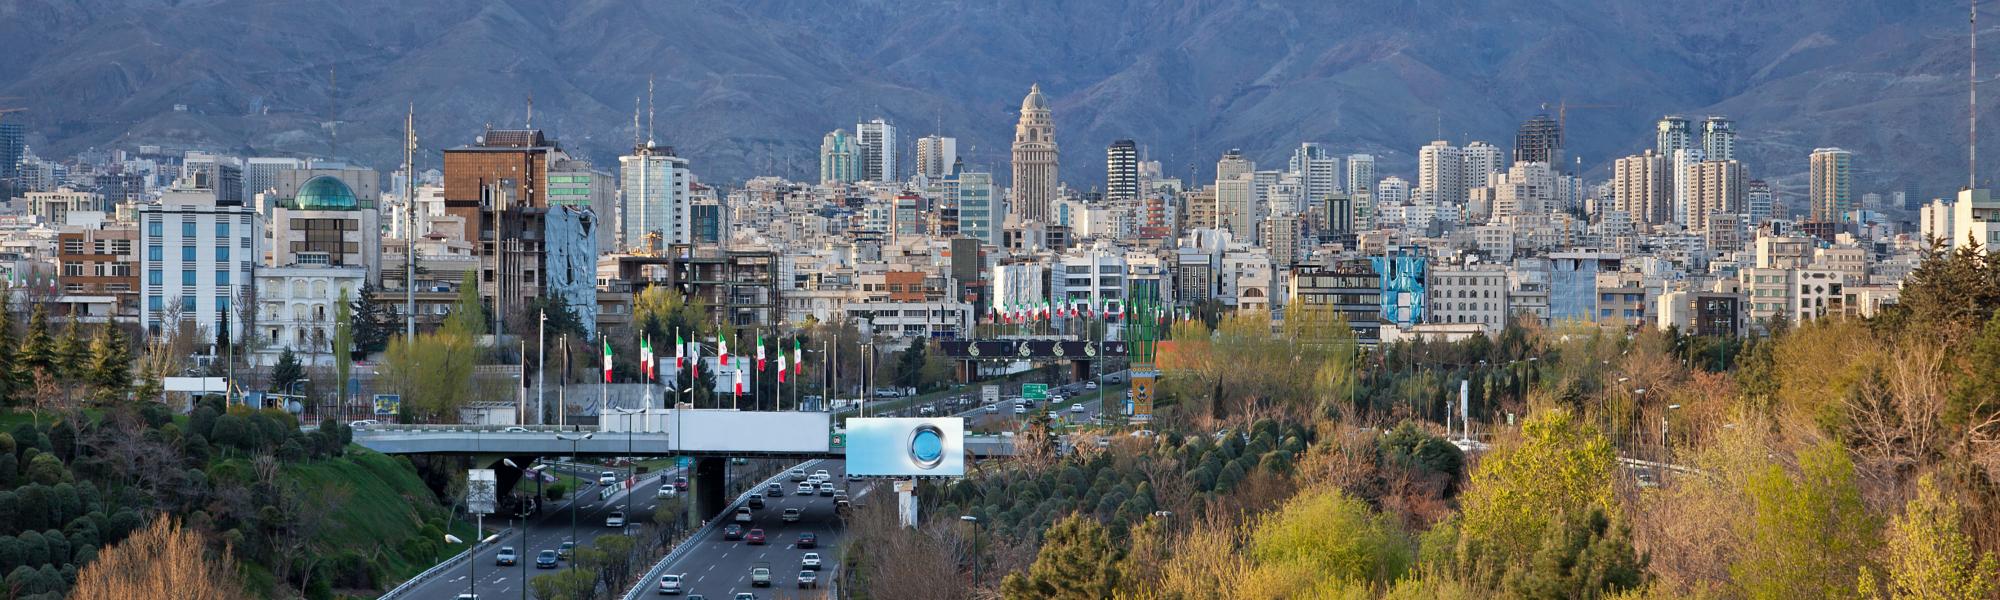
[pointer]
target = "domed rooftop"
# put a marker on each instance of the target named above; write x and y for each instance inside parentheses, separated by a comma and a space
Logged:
(325, 193)
(1035, 100)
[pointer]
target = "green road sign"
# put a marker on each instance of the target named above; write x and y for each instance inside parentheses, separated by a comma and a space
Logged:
(683, 462)
(839, 441)
(1035, 391)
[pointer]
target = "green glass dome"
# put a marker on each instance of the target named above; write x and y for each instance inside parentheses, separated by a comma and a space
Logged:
(325, 193)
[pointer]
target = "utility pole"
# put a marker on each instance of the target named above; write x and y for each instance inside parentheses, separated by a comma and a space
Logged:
(410, 224)
(541, 362)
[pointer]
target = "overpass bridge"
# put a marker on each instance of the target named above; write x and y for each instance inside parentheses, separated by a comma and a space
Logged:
(707, 436)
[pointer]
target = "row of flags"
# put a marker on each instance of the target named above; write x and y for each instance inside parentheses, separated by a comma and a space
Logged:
(684, 350)
(1043, 311)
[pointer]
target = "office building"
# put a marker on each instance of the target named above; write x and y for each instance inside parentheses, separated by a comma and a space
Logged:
(1236, 206)
(1441, 173)
(980, 215)
(1832, 185)
(1481, 160)
(1360, 173)
(1672, 134)
(1121, 171)
(1639, 188)
(1392, 190)
(657, 189)
(574, 183)
(839, 158)
(13, 145)
(53, 208)
(1318, 172)
(327, 224)
(260, 174)
(1715, 186)
(1035, 155)
(1233, 164)
(222, 175)
(936, 156)
(1757, 201)
(1718, 138)
(197, 258)
(876, 142)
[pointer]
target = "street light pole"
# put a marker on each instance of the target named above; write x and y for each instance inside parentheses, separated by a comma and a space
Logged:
(574, 494)
(975, 546)
(525, 546)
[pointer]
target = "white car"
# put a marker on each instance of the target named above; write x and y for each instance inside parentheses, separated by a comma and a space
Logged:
(607, 478)
(791, 515)
(811, 561)
(670, 584)
(743, 514)
(666, 491)
(1076, 408)
(992, 409)
(806, 488)
(1020, 410)
(798, 475)
(822, 475)
(617, 519)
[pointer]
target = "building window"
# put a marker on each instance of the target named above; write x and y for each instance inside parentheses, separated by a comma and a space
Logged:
(153, 253)
(73, 246)
(153, 228)
(187, 230)
(221, 228)
(155, 303)
(221, 305)
(155, 278)
(221, 254)
(187, 305)
(187, 253)
(222, 278)
(72, 269)
(187, 278)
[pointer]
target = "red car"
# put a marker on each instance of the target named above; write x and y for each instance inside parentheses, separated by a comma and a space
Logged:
(756, 536)
(808, 540)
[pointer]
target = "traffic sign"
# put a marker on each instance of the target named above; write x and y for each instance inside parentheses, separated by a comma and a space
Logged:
(838, 441)
(1035, 391)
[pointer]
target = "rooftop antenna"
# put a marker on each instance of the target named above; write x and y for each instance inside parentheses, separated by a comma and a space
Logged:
(333, 111)
(636, 141)
(649, 110)
(1972, 116)
(410, 223)
(531, 112)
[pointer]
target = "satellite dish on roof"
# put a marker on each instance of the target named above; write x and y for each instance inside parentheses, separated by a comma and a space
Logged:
(481, 140)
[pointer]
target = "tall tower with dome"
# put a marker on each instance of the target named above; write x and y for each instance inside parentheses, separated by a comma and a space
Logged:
(1034, 184)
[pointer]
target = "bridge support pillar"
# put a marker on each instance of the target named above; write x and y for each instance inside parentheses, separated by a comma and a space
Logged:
(708, 485)
(906, 502)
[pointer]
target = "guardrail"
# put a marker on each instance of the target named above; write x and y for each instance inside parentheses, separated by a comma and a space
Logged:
(472, 428)
(441, 567)
(652, 575)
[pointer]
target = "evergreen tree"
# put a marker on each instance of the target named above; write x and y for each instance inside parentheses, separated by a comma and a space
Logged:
(287, 372)
(7, 354)
(468, 314)
(107, 368)
(343, 343)
(35, 348)
(1078, 561)
(67, 354)
(372, 322)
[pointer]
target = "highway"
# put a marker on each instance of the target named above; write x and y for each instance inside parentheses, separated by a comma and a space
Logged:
(719, 568)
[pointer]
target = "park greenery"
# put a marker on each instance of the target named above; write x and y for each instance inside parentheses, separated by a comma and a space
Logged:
(1843, 457)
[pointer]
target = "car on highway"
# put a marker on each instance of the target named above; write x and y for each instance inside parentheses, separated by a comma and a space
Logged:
(811, 561)
(927, 410)
(808, 540)
(826, 490)
(760, 575)
(754, 538)
(808, 579)
(607, 478)
(476, 597)
(806, 488)
(756, 501)
(566, 550)
(1076, 408)
(665, 491)
(1020, 409)
(741, 596)
(774, 490)
(616, 519)
(506, 557)
(743, 514)
(681, 484)
(822, 475)
(670, 584)
(516, 429)
(992, 409)
(791, 515)
(545, 559)
(364, 423)
(798, 474)
(1089, 385)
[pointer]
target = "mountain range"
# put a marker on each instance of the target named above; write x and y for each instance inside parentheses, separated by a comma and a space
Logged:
(748, 87)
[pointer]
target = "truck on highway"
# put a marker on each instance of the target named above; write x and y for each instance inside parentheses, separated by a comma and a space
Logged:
(760, 575)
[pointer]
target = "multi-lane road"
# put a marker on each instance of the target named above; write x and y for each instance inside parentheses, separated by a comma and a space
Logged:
(547, 532)
(719, 568)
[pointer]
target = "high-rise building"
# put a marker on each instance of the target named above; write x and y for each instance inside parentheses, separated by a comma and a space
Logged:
(1832, 185)
(1757, 201)
(1360, 172)
(979, 210)
(1121, 171)
(656, 185)
(876, 141)
(13, 145)
(1683, 162)
(839, 158)
(220, 174)
(326, 223)
(1441, 173)
(1671, 134)
(260, 174)
(1236, 206)
(1639, 188)
(1232, 164)
(1715, 187)
(574, 183)
(1035, 153)
(1718, 138)
(1319, 172)
(935, 156)
(1392, 190)
(1481, 160)
(1539, 140)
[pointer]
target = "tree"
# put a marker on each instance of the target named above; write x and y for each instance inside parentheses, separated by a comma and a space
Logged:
(108, 366)
(1810, 532)
(68, 352)
(468, 314)
(163, 560)
(372, 322)
(343, 345)
(910, 365)
(1562, 468)
(1930, 555)
(1077, 562)
(1586, 557)
(8, 381)
(35, 350)
(1331, 536)
(287, 372)
(433, 372)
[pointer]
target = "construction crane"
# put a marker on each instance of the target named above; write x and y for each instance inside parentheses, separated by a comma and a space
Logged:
(1562, 112)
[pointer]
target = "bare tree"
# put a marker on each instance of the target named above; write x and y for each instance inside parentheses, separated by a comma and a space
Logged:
(163, 560)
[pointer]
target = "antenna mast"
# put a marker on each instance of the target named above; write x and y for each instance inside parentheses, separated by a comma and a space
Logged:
(649, 110)
(531, 112)
(410, 224)
(636, 141)
(1972, 115)
(333, 111)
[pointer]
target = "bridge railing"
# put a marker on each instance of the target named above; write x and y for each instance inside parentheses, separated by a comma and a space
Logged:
(461, 427)
(440, 568)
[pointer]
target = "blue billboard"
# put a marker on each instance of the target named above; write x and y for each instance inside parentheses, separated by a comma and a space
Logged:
(1402, 280)
(906, 447)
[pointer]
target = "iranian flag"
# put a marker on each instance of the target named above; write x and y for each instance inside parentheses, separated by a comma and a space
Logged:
(680, 352)
(781, 361)
(722, 340)
(798, 357)
(760, 353)
(607, 360)
(739, 382)
(646, 358)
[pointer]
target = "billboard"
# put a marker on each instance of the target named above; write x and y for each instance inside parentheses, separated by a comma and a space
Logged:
(724, 431)
(481, 491)
(906, 447)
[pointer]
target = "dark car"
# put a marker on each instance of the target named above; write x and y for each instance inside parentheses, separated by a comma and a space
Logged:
(681, 483)
(732, 532)
(808, 540)
(545, 559)
(756, 501)
(755, 537)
